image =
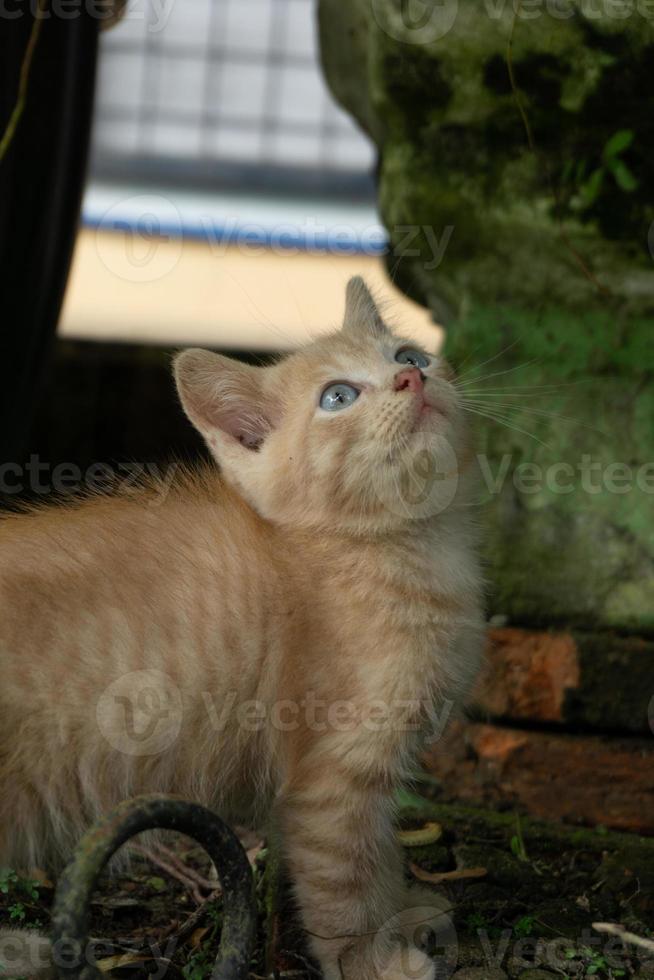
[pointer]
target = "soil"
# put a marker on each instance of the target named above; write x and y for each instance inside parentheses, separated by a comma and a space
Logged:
(527, 910)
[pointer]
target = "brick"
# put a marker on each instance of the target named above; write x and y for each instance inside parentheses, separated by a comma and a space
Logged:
(581, 680)
(581, 779)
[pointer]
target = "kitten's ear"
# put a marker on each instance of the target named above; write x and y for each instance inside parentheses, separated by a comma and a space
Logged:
(223, 398)
(361, 311)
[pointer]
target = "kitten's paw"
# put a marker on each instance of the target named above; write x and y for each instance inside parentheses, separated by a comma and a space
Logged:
(425, 920)
(408, 962)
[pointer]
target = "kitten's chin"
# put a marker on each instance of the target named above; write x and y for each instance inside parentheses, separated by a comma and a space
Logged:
(430, 417)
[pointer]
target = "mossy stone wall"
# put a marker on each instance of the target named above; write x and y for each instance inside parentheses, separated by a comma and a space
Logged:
(516, 180)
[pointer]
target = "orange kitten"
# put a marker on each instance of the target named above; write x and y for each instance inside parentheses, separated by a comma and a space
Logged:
(275, 639)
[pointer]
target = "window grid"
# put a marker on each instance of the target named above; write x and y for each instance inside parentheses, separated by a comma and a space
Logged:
(222, 82)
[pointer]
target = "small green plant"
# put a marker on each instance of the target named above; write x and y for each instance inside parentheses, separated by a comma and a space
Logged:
(524, 927)
(8, 879)
(199, 966)
(476, 921)
(21, 894)
(593, 963)
(201, 962)
(589, 185)
(11, 882)
(517, 842)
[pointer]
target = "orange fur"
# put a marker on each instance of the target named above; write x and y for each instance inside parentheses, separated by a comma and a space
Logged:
(262, 618)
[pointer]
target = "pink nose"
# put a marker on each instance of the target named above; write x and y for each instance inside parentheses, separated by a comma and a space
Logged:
(409, 380)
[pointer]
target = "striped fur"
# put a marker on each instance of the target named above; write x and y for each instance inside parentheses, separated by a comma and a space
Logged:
(238, 641)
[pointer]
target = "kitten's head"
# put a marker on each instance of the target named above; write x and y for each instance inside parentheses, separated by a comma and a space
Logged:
(359, 429)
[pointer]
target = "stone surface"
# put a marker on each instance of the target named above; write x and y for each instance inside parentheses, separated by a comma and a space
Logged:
(516, 183)
(479, 973)
(536, 975)
(594, 680)
(580, 779)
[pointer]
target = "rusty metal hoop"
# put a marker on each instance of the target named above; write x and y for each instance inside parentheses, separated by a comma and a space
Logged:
(76, 884)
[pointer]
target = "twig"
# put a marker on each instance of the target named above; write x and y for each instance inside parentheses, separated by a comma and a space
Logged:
(185, 869)
(23, 79)
(176, 869)
(624, 935)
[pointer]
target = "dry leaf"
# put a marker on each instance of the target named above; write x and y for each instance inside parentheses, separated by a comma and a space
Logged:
(253, 852)
(198, 935)
(436, 877)
(36, 874)
(429, 834)
(110, 963)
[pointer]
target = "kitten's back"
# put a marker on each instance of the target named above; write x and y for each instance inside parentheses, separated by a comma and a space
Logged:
(178, 595)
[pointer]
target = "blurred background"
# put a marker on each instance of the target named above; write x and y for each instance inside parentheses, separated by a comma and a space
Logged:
(229, 196)
(227, 200)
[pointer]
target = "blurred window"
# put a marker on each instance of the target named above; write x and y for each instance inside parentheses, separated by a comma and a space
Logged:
(224, 92)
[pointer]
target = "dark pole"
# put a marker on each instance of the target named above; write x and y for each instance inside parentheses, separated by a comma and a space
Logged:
(41, 182)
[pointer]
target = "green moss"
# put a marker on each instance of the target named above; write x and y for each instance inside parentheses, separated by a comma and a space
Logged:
(546, 274)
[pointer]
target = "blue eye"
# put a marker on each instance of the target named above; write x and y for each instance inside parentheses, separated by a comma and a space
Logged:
(338, 396)
(412, 357)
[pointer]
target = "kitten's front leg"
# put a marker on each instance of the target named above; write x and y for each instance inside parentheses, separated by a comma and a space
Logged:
(340, 847)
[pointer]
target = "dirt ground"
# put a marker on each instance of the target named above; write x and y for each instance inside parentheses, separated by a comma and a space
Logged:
(521, 899)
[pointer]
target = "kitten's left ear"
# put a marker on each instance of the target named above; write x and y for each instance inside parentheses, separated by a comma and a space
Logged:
(224, 399)
(361, 312)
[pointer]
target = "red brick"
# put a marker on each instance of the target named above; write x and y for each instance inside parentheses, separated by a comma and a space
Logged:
(582, 779)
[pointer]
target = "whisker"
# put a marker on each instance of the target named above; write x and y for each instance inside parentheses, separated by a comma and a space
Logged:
(496, 374)
(476, 367)
(531, 411)
(522, 389)
(503, 421)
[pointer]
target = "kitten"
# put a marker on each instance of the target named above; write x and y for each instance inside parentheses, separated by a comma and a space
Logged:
(274, 638)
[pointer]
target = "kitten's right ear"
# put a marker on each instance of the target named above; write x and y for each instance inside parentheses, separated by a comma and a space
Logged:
(223, 398)
(361, 311)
